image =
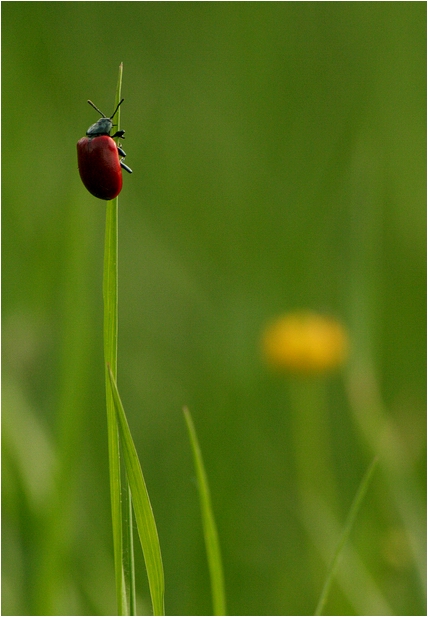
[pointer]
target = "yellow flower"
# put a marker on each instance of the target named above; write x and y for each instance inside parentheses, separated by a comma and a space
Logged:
(305, 342)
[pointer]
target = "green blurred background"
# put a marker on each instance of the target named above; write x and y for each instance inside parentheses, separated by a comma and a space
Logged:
(278, 152)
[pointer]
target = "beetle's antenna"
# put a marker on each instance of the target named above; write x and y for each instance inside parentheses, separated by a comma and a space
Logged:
(100, 112)
(114, 113)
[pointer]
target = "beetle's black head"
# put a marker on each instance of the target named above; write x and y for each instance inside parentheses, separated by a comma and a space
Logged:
(102, 127)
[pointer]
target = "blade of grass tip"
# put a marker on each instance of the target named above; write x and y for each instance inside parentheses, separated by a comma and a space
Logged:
(110, 355)
(144, 517)
(208, 522)
(362, 489)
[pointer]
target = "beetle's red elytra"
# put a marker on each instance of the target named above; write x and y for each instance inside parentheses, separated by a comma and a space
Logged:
(100, 159)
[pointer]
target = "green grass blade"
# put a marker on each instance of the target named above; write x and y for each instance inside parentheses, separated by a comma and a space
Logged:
(110, 355)
(210, 530)
(122, 531)
(362, 489)
(128, 550)
(146, 524)
(128, 562)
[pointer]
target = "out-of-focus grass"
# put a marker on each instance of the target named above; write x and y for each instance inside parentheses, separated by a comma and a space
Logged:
(209, 526)
(278, 152)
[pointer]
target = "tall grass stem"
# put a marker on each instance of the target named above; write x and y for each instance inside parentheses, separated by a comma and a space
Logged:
(124, 576)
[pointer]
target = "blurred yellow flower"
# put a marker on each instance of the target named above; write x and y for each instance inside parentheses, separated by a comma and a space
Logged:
(305, 343)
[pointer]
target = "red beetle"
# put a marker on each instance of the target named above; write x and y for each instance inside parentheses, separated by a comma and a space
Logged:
(98, 158)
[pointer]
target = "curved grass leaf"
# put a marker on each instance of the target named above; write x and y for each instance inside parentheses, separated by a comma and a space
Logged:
(145, 520)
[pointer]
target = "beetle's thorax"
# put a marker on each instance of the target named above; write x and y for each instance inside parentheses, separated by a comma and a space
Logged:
(101, 127)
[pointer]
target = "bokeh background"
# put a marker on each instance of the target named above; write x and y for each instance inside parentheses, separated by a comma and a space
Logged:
(278, 152)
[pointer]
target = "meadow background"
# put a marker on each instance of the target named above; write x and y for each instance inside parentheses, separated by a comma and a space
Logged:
(279, 163)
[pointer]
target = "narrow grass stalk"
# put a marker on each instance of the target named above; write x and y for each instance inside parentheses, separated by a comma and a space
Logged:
(362, 489)
(312, 440)
(110, 356)
(146, 524)
(128, 558)
(124, 576)
(210, 530)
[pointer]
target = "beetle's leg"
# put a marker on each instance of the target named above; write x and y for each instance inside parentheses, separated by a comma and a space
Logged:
(125, 167)
(122, 164)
